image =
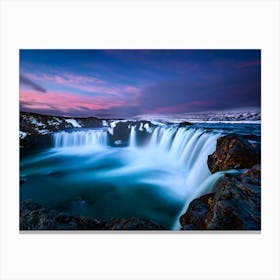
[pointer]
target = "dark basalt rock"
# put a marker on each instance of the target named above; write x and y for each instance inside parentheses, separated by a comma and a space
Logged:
(39, 127)
(90, 122)
(33, 122)
(143, 135)
(235, 204)
(35, 217)
(132, 224)
(121, 133)
(194, 218)
(233, 151)
(183, 124)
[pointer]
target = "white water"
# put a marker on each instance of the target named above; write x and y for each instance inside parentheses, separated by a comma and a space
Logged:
(132, 137)
(186, 148)
(90, 138)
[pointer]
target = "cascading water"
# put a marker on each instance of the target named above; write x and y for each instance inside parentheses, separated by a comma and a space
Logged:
(80, 138)
(154, 180)
(132, 137)
(190, 147)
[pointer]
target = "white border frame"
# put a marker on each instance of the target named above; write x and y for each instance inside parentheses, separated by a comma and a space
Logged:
(139, 24)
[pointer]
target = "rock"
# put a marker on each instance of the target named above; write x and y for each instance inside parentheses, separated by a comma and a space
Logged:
(132, 224)
(122, 130)
(194, 218)
(33, 216)
(233, 151)
(35, 124)
(35, 129)
(90, 122)
(183, 124)
(235, 204)
(121, 133)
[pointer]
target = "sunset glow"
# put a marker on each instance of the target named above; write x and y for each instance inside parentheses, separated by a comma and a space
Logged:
(125, 83)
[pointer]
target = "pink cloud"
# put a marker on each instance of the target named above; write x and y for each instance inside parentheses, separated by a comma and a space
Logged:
(103, 95)
(132, 90)
(249, 63)
(89, 84)
(66, 102)
(84, 83)
(66, 77)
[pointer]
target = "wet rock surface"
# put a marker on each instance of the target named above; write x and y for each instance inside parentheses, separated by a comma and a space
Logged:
(195, 217)
(121, 132)
(184, 124)
(234, 152)
(35, 217)
(234, 204)
(132, 224)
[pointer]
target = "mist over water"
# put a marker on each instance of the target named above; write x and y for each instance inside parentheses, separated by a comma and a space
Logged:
(83, 175)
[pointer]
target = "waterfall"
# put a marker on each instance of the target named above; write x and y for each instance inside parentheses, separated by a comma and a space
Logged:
(132, 137)
(203, 188)
(89, 138)
(189, 147)
(184, 149)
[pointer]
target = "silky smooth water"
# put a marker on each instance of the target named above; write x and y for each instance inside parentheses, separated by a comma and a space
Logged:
(83, 175)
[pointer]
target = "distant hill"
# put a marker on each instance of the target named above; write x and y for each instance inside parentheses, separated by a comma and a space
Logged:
(223, 116)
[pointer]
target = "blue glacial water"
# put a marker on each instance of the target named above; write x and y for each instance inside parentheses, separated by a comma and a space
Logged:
(83, 175)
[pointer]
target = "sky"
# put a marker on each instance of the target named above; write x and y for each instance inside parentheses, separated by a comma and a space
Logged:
(126, 83)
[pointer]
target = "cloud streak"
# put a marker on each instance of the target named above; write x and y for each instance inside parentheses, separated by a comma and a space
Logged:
(29, 83)
(65, 102)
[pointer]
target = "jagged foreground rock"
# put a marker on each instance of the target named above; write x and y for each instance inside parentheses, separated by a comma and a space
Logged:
(35, 217)
(233, 151)
(234, 204)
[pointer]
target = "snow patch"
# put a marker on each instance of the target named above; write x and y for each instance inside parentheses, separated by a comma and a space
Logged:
(35, 122)
(110, 130)
(58, 120)
(73, 122)
(43, 131)
(157, 123)
(241, 116)
(22, 134)
(53, 123)
(147, 127)
(113, 124)
(227, 122)
(104, 123)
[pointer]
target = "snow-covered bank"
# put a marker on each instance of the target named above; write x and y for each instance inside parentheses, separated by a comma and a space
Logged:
(207, 117)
